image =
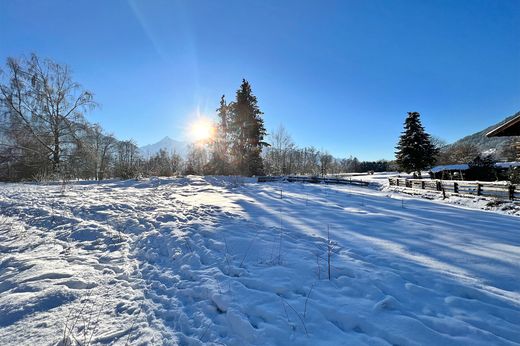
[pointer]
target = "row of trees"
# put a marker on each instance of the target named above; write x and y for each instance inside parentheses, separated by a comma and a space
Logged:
(283, 157)
(288, 161)
(466, 152)
(44, 133)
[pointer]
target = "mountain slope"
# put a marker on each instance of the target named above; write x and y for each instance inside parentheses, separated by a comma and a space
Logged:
(168, 144)
(493, 145)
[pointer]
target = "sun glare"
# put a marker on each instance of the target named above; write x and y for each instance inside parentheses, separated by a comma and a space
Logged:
(202, 130)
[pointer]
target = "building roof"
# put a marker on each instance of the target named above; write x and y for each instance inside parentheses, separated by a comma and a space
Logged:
(507, 164)
(460, 167)
(509, 128)
(465, 166)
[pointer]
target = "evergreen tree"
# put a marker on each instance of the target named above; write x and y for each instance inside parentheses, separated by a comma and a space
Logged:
(219, 163)
(415, 152)
(482, 168)
(247, 128)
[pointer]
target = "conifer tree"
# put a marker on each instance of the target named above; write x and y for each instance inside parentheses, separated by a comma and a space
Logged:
(247, 128)
(219, 163)
(415, 152)
(482, 168)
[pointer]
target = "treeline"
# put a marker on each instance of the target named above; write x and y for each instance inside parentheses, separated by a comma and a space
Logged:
(43, 130)
(240, 147)
(283, 157)
(310, 161)
(467, 152)
(44, 135)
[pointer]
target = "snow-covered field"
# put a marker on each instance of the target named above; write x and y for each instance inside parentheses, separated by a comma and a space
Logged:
(379, 180)
(212, 261)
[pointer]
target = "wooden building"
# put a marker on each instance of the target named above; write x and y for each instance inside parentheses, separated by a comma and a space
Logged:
(449, 172)
(510, 128)
(458, 171)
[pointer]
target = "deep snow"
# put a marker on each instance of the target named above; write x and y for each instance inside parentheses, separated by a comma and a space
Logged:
(208, 260)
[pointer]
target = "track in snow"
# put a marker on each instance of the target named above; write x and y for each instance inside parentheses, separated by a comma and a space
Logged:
(203, 260)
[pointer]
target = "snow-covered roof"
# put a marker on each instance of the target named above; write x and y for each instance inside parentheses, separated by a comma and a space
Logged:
(507, 164)
(465, 166)
(461, 167)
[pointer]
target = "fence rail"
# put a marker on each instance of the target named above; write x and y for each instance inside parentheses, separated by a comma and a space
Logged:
(315, 180)
(502, 191)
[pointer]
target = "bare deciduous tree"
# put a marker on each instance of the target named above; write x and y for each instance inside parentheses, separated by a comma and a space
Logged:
(279, 154)
(326, 161)
(41, 100)
(128, 160)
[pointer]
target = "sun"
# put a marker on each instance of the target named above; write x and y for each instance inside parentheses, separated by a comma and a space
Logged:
(202, 130)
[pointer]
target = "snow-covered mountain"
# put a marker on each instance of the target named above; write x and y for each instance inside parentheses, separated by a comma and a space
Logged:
(170, 145)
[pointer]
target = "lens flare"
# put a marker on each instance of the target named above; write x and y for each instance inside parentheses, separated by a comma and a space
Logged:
(202, 130)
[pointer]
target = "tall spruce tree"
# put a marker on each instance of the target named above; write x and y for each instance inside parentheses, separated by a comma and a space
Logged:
(247, 128)
(219, 163)
(415, 151)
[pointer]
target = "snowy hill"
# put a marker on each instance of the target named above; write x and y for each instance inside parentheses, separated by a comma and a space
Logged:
(170, 145)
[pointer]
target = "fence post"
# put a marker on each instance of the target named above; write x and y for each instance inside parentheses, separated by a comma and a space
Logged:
(422, 184)
(479, 189)
(511, 192)
(439, 186)
(455, 187)
(397, 182)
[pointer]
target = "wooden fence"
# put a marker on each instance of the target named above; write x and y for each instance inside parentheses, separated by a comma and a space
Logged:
(474, 188)
(315, 180)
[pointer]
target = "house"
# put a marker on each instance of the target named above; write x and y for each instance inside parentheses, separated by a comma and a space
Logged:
(458, 171)
(449, 172)
(510, 128)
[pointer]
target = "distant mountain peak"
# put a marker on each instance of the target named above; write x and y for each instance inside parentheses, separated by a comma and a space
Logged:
(166, 138)
(168, 144)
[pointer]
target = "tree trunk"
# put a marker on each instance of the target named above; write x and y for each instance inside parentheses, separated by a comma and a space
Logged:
(56, 154)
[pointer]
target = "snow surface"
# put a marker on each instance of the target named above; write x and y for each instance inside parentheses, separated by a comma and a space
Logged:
(459, 167)
(465, 166)
(225, 261)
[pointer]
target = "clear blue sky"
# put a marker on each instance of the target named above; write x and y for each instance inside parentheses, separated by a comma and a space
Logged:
(340, 75)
